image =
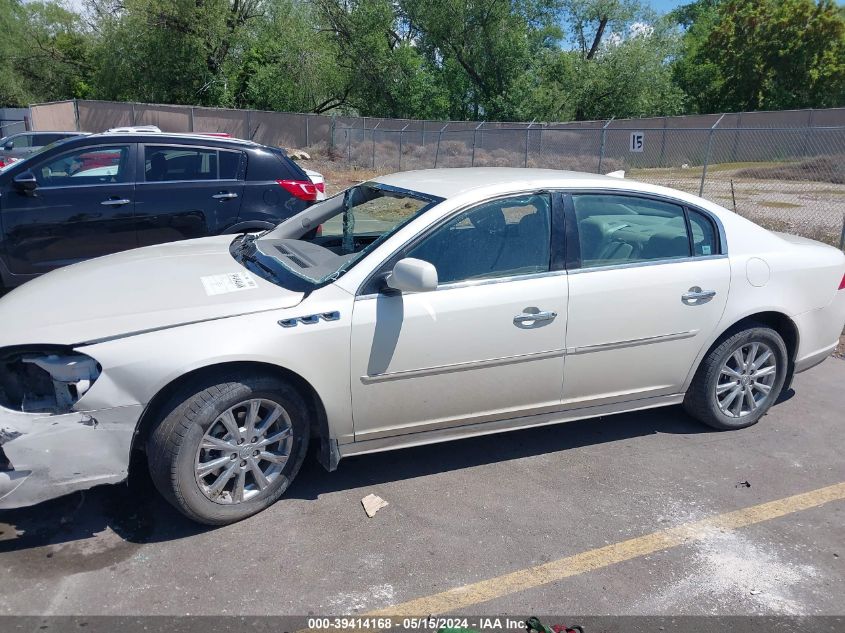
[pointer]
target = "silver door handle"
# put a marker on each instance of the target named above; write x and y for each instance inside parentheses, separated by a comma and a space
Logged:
(697, 294)
(528, 317)
(224, 196)
(113, 201)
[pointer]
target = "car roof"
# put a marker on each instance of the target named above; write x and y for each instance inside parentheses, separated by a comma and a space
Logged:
(152, 137)
(450, 182)
(163, 137)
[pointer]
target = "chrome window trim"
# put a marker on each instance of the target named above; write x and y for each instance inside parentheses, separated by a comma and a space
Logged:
(648, 262)
(182, 182)
(125, 183)
(471, 283)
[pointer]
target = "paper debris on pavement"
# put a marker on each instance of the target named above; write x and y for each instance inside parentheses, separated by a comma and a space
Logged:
(372, 504)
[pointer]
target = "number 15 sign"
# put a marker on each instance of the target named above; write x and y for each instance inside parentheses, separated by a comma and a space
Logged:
(637, 141)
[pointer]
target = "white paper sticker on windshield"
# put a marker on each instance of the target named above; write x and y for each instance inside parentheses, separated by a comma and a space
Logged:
(230, 282)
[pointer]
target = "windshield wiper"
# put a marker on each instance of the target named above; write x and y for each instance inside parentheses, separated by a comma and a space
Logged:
(247, 251)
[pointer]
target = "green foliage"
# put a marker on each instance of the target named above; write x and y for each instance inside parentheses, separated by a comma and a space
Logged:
(170, 51)
(627, 76)
(44, 52)
(764, 55)
(494, 60)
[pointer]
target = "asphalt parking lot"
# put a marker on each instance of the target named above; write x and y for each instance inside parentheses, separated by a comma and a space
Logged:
(480, 512)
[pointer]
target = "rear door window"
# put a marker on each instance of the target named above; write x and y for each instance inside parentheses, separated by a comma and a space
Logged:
(617, 229)
(173, 163)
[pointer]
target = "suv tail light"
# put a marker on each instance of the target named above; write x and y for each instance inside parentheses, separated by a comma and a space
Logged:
(302, 189)
(842, 283)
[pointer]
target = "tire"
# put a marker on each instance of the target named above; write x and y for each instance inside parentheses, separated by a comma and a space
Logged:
(191, 449)
(731, 407)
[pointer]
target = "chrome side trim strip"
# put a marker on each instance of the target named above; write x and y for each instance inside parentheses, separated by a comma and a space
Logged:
(651, 262)
(402, 438)
(601, 347)
(475, 364)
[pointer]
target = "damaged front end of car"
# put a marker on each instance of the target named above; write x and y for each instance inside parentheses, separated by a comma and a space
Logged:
(45, 381)
(50, 443)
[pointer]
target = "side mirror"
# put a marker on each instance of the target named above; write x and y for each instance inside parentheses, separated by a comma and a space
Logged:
(9, 146)
(25, 181)
(412, 275)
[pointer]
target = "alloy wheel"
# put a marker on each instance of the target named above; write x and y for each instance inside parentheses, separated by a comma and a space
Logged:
(244, 451)
(746, 379)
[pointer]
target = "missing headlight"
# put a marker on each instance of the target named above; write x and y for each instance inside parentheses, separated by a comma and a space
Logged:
(45, 381)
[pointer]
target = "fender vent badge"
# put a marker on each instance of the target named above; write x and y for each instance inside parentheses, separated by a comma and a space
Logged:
(310, 319)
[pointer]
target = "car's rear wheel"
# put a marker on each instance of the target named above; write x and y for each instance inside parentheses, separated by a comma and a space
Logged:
(229, 448)
(739, 379)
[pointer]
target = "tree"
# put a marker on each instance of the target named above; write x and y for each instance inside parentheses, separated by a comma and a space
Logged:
(377, 50)
(172, 51)
(627, 76)
(44, 53)
(491, 46)
(764, 55)
(289, 64)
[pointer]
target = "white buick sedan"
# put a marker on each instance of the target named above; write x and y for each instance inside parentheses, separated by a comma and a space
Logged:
(414, 308)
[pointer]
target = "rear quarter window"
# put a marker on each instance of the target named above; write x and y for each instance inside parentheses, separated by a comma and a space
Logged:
(270, 164)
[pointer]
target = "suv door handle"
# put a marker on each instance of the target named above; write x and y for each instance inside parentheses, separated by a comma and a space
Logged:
(115, 202)
(528, 317)
(224, 195)
(696, 295)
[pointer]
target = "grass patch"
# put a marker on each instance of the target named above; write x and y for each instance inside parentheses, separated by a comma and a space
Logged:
(776, 204)
(820, 169)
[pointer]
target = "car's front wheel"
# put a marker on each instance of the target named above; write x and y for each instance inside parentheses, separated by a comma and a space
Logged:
(230, 447)
(739, 379)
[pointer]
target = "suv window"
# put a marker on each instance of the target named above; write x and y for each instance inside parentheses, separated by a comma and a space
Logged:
(501, 238)
(616, 229)
(167, 163)
(88, 166)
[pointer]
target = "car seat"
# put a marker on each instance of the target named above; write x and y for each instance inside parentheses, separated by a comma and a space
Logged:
(158, 168)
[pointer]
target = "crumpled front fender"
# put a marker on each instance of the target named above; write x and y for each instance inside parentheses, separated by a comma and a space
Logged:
(52, 455)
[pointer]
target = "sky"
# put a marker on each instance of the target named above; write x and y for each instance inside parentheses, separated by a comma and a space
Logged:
(663, 6)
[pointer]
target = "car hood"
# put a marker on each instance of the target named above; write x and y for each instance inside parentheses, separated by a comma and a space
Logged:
(137, 291)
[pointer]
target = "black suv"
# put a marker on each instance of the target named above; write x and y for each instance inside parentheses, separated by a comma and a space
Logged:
(92, 195)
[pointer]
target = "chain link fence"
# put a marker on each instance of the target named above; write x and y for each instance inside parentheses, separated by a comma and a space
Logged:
(7, 128)
(784, 170)
(786, 178)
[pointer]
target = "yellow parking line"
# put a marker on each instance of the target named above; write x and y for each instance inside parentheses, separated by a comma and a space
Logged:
(485, 590)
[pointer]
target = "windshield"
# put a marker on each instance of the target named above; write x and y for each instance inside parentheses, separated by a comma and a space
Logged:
(323, 242)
